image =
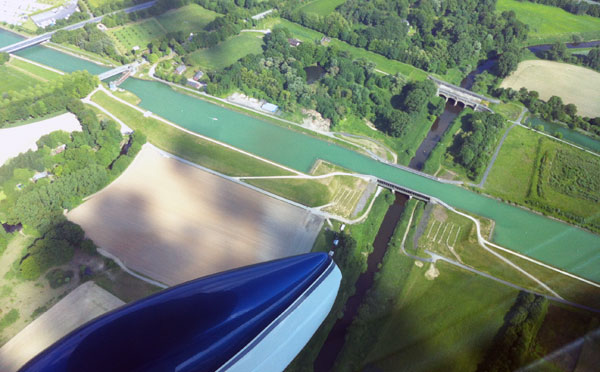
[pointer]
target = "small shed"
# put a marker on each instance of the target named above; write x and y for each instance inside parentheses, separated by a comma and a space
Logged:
(194, 84)
(269, 107)
(294, 42)
(180, 69)
(39, 176)
(198, 75)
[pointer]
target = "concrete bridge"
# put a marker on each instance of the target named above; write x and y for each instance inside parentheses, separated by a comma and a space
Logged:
(461, 95)
(403, 190)
(47, 36)
(118, 70)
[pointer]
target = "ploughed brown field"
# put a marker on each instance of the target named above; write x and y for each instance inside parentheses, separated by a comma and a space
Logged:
(174, 222)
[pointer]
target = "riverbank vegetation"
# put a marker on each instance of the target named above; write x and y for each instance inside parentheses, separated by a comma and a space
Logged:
(548, 24)
(351, 254)
(91, 39)
(548, 176)
(192, 148)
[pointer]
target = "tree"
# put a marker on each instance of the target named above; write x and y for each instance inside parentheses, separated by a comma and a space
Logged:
(508, 62)
(4, 57)
(152, 58)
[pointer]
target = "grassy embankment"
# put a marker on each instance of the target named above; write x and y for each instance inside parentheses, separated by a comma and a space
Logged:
(18, 75)
(364, 234)
(343, 191)
(548, 176)
(428, 323)
(548, 24)
(192, 148)
(227, 52)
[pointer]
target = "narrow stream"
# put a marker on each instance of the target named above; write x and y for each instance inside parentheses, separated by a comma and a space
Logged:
(335, 340)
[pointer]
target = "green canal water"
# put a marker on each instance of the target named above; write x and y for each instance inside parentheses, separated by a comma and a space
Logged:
(568, 134)
(550, 241)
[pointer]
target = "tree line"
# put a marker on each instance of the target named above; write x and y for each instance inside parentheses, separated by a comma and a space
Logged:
(90, 38)
(577, 7)
(514, 344)
(45, 98)
(443, 34)
(559, 52)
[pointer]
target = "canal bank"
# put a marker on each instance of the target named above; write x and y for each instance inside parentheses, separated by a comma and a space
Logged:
(337, 336)
(553, 242)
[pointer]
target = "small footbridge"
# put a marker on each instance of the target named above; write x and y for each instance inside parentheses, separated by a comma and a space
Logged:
(461, 95)
(127, 69)
(403, 190)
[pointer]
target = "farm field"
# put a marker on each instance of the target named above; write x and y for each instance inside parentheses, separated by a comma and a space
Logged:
(136, 34)
(543, 173)
(548, 23)
(574, 84)
(174, 222)
(321, 7)
(81, 305)
(227, 52)
(189, 18)
(16, 140)
(192, 148)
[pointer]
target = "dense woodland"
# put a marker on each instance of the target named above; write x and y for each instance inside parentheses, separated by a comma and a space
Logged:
(46, 98)
(431, 35)
(347, 87)
(473, 147)
(90, 38)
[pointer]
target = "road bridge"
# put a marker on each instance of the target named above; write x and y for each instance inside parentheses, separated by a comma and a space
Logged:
(403, 190)
(47, 36)
(461, 95)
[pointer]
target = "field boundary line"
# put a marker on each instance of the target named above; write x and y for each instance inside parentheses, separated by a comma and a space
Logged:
(37, 64)
(558, 139)
(118, 261)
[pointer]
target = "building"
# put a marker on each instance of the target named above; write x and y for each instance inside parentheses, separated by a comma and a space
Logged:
(198, 75)
(294, 42)
(50, 17)
(59, 149)
(180, 69)
(101, 27)
(194, 84)
(325, 40)
(39, 176)
(269, 107)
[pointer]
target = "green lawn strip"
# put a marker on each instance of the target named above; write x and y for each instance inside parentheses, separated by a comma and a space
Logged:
(227, 52)
(407, 319)
(38, 71)
(189, 147)
(509, 110)
(189, 18)
(364, 234)
(13, 79)
(548, 24)
(35, 120)
(321, 7)
(311, 193)
(124, 286)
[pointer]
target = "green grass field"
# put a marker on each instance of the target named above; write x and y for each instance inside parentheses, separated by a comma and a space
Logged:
(229, 51)
(97, 3)
(321, 7)
(34, 70)
(136, 34)
(304, 191)
(549, 176)
(192, 148)
(13, 79)
(548, 23)
(190, 18)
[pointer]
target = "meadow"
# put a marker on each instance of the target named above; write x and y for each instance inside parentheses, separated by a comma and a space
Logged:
(189, 18)
(573, 84)
(548, 24)
(136, 34)
(227, 52)
(321, 7)
(13, 79)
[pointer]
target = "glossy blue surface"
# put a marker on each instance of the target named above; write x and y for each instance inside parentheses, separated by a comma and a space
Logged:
(207, 320)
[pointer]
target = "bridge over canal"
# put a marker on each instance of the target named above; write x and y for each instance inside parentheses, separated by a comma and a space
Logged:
(404, 190)
(461, 95)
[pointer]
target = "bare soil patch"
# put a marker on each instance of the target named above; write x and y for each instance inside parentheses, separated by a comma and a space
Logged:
(174, 222)
(574, 84)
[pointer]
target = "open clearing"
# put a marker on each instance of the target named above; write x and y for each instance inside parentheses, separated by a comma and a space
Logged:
(229, 51)
(574, 84)
(78, 307)
(550, 23)
(190, 18)
(137, 34)
(173, 222)
(321, 7)
(14, 141)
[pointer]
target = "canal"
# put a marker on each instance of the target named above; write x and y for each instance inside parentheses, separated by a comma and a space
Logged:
(547, 240)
